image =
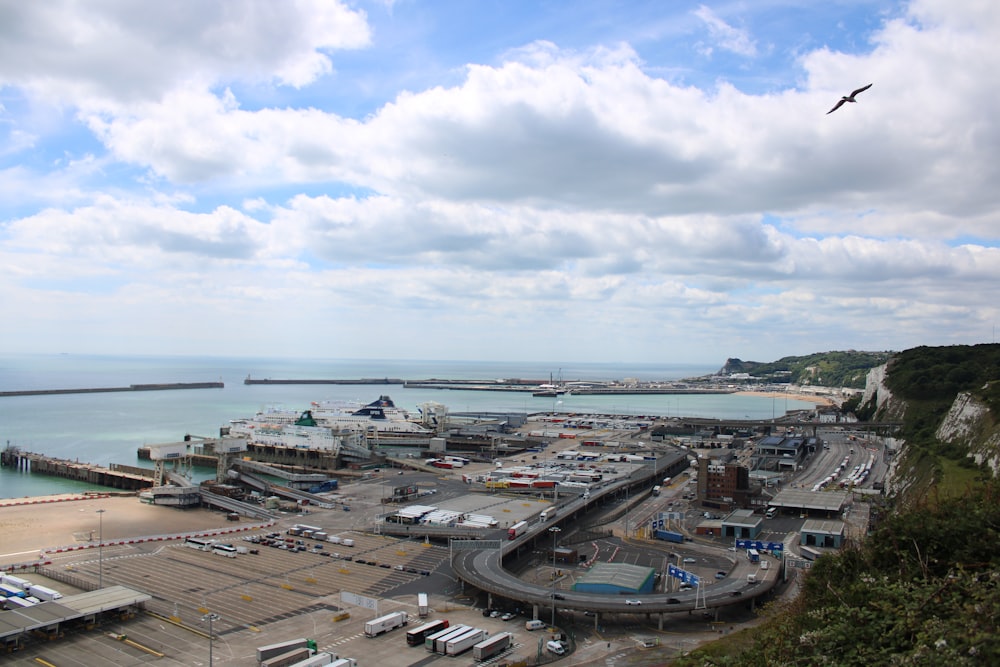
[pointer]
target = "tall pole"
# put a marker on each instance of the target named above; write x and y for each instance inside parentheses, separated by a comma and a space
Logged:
(211, 635)
(555, 530)
(100, 548)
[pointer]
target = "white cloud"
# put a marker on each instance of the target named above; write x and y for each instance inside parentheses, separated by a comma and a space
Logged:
(726, 36)
(562, 191)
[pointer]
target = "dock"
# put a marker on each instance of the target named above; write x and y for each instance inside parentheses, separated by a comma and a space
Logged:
(250, 380)
(128, 478)
(161, 386)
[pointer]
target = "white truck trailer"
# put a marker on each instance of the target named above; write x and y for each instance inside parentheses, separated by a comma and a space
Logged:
(423, 608)
(43, 593)
(274, 650)
(491, 647)
(377, 626)
(464, 642)
(436, 642)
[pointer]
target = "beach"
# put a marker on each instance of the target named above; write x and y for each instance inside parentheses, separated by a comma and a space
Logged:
(32, 526)
(806, 398)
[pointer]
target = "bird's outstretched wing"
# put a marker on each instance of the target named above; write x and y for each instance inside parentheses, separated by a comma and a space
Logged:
(836, 106)
(861, 90)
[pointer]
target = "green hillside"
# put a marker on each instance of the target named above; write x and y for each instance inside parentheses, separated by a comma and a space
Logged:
(828, 369)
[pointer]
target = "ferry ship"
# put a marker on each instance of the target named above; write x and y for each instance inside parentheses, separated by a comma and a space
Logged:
(381, 415)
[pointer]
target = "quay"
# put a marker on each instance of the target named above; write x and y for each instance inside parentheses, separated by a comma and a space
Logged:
(128, 478)
(162, 386)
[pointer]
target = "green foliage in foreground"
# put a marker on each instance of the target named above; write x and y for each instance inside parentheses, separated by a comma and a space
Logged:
(922, 590)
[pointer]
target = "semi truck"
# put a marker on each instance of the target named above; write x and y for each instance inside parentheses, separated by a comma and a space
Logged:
(321, 659)
(668, 535)
(464, 642)
(548, 514)
(491, 647)
(43, 593)
(517, 529)
(377, 626)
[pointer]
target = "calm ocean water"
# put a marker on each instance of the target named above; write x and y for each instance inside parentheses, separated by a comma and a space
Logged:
(105, 428)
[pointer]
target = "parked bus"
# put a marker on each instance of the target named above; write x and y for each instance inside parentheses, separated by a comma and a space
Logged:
(416, 636)
(199, 543)
(227, 550)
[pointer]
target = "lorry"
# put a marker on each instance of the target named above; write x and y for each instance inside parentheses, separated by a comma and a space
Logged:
(274, 650)
(517, 529)
(10, 591)
(377, 626)
(548, 514)
(493, 646)
(465, 641)
(15, 581)
(43, 593)
(423, 608)
(344, 662)
(668, 535)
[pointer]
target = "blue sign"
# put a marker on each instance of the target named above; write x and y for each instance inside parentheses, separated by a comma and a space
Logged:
(656, 524)
(760, 546)
(683, 575)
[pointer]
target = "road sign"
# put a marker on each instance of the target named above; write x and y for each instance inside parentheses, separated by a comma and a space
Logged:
(358, 600)
(683, 575)
(474, 545)
(760, 546)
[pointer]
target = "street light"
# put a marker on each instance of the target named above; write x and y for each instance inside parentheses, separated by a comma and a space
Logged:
(100, 548)
(555, 530)
(211, 636)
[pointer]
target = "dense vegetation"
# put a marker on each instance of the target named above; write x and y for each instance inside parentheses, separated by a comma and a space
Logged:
(829, 369)
(922, 590)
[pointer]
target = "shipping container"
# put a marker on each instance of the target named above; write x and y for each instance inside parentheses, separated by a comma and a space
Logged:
(15, 581)
(319, 660)
(287, 659)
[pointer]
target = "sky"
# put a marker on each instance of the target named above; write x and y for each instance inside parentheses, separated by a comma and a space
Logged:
(546, 180)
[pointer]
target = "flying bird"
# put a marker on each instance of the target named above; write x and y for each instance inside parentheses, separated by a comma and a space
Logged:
(848, 98)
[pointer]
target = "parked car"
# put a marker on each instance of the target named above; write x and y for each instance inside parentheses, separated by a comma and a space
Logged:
(507, 617)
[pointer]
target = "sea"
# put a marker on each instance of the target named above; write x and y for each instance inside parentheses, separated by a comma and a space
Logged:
(105, 428)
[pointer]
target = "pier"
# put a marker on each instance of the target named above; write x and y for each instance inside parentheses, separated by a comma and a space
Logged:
(250, 380)
(162, 386)
(128, 478)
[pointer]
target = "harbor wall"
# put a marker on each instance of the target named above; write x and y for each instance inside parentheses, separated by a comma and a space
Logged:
(132, 387)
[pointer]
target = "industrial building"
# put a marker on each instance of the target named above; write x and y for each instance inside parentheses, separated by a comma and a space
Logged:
(616, 579)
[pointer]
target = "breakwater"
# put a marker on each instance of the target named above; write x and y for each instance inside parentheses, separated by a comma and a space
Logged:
(250, 380)
(162, 386)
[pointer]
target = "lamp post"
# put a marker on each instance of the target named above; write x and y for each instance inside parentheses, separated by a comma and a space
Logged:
(555, 530)
(100, 548)
(211, 635)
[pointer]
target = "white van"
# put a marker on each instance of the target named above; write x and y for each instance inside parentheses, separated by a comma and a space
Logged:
(534, 624)
(555, 647)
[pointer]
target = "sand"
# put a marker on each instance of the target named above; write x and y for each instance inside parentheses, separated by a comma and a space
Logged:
(29, 526)
(808, 398)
